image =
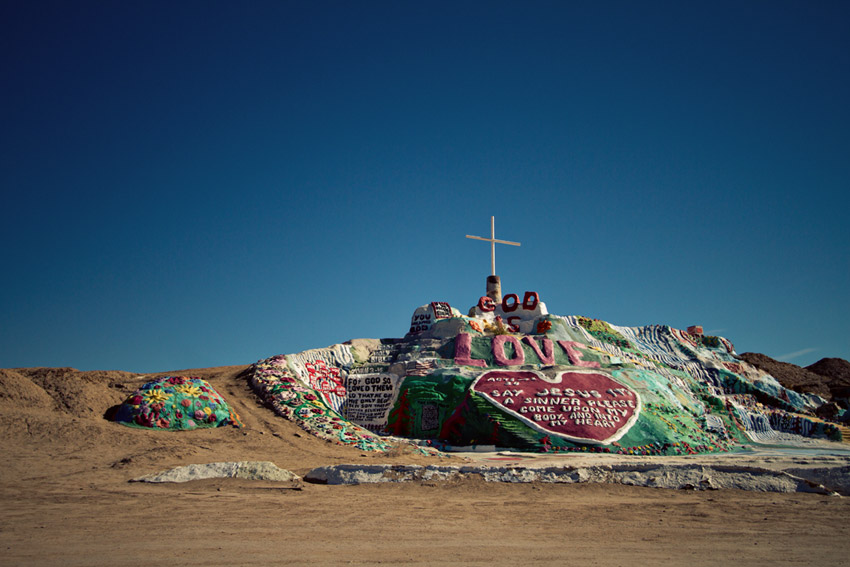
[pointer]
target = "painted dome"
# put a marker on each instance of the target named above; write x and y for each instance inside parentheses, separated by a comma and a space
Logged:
(176, 403)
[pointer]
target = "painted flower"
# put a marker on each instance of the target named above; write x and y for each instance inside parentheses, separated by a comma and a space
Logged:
(163, 423)
(190, 423)
(185, 402)
(199, 414)
(476, 326)
(134, 400)
(543, 326)
(176, 380)
(156, 396)
(285, 395)
(144, 419)
(188, 390)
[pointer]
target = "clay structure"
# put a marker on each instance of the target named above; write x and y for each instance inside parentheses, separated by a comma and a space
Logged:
(510, 375)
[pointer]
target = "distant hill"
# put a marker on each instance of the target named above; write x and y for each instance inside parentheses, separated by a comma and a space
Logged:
(828, 377)
(837, 371)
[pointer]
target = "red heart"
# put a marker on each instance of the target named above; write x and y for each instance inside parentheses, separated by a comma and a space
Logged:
(579, 405)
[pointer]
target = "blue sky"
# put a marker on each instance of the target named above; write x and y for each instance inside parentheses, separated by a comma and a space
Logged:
(192, 184)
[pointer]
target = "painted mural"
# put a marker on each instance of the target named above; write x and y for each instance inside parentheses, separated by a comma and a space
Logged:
(511, 375)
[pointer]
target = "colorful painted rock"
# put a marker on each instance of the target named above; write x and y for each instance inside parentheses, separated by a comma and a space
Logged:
(176, 403)
(580, 405)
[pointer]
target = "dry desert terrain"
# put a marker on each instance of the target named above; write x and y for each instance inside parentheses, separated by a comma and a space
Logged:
(65, 499)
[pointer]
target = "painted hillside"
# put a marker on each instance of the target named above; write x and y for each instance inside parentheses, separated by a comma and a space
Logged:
(511, 375)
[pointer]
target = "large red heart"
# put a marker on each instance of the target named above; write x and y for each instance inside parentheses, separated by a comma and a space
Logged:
(579, 405)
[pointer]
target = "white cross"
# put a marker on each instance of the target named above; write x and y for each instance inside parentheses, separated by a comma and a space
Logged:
(492, 240)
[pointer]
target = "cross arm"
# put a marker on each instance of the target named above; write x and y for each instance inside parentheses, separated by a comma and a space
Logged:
(494, 240)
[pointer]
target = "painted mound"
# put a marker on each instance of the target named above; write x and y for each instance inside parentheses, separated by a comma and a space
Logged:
(176, 403)
(291, 398)
(513, 376)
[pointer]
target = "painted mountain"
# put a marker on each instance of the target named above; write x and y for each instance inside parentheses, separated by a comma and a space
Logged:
(511, 375)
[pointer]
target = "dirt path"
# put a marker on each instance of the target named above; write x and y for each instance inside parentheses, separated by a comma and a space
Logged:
(74, 521)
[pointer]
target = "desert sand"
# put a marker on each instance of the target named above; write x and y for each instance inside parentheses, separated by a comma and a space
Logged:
(66, 499)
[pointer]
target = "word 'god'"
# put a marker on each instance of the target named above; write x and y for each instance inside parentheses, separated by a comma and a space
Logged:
(519, 315)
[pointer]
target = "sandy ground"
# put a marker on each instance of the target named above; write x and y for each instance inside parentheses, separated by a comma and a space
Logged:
(65, 499)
